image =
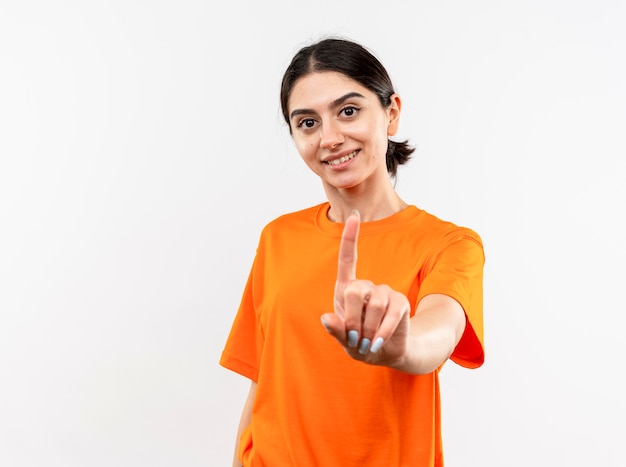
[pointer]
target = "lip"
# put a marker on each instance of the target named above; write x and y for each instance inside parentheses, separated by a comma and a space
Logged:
(335, 160)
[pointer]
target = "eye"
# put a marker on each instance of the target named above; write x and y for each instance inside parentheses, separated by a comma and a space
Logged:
(306, 123)
(350, 111)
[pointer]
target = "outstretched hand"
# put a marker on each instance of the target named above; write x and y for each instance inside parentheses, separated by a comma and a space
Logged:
(370, 321)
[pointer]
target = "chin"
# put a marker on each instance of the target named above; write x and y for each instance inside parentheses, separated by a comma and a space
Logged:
(344, 185)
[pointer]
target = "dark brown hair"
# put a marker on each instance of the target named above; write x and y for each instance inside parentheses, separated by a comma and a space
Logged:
(356, 62)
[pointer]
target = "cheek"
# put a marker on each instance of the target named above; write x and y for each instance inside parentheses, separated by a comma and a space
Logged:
(306, 153)
(305, 148)
(372, 135)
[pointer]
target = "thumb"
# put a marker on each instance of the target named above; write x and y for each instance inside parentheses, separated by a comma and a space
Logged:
(334, 325)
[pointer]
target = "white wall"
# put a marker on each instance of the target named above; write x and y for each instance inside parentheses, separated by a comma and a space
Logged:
(141, 152)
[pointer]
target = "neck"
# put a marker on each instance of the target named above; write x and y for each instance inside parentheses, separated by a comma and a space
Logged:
(371, 206)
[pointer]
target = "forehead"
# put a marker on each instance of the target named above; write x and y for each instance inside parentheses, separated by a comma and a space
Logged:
(321, 88)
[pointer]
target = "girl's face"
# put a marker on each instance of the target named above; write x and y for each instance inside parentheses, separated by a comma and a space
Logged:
(340, 129)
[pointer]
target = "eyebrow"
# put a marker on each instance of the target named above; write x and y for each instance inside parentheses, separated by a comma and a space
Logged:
(333, 104)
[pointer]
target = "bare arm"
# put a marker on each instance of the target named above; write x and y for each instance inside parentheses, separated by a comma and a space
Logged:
(435, 330)
(244, 421)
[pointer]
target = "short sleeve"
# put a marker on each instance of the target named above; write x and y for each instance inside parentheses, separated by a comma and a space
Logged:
(456, 270)
(244, 346)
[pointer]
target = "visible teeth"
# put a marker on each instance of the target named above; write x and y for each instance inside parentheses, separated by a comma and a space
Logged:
(342, 159)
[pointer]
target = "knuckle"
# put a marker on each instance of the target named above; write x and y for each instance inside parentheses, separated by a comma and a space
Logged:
(358, 288)
(352, 293)
(377, 304)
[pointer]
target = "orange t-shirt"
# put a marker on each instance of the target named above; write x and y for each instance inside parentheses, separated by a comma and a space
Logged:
(314, 405)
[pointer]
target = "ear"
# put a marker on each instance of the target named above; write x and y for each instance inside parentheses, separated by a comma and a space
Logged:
(393, 113)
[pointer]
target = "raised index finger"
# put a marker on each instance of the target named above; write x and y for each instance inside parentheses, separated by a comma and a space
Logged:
(346, 270)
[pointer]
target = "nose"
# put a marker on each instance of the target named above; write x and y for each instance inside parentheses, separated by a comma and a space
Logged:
(330, 136)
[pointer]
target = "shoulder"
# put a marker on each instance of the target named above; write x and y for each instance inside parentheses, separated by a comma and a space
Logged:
(444, 230)
(437, 238)
(288, 223)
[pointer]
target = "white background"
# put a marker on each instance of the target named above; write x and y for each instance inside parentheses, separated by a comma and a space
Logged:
(142, 151)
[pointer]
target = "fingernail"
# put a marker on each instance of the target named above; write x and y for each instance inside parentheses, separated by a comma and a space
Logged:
(365, 345)
(356, 211)
(324, 323)
(353, 338)
(378, 343)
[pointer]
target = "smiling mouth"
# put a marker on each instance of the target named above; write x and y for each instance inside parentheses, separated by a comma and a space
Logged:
(342, 159)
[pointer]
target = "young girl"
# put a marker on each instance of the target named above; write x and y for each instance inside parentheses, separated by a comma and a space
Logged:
(343, 353)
